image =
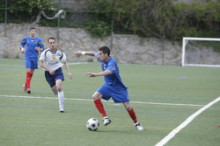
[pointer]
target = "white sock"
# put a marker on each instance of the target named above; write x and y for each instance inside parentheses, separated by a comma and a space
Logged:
(61, 100)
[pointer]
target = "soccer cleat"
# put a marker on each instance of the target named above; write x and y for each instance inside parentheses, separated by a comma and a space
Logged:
(139, 126)
(106, 121)
(28, 90)
(61, 108)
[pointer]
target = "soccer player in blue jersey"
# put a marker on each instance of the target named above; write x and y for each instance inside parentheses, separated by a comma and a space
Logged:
(113, 86)
(34, 44)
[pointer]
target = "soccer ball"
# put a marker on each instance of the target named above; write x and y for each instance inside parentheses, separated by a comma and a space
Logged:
(92, 124)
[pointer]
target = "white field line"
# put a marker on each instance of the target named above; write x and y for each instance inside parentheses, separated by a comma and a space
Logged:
(185, 123)
(77, 99)
(76, 63)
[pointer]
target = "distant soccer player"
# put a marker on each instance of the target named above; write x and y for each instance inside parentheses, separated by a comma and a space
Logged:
(52, 61)
(113, 86)
(33, 45)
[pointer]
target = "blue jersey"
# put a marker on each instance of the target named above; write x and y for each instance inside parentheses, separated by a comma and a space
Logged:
(114, 78)
(30, 44)
(113, 86)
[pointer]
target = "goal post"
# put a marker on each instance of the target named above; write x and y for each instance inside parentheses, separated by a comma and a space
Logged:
(198, 51)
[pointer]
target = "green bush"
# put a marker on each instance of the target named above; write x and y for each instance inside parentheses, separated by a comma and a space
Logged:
(148, 18)
(98, 28)
(159, 18)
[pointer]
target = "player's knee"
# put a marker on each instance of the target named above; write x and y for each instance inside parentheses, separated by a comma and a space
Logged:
(127, 106)
(58, 88)
(96, 96)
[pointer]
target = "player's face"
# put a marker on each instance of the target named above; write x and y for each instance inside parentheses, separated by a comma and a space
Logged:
(52, 44)
(32, 33)
(103, 57)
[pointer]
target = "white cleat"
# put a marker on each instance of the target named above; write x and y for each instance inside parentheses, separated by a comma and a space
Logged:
(61, 108)
(106, 121)
(139, 126)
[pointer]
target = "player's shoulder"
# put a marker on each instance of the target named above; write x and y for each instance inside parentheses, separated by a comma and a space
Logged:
(39, 38)
(112, 60)
(46, 50)
(60, 53)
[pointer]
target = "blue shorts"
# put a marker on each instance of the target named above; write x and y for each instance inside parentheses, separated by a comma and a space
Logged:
(31, 62)
(51, 79)
(119, 95)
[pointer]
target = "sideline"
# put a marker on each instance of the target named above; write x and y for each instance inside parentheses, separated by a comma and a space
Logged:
(185, 123)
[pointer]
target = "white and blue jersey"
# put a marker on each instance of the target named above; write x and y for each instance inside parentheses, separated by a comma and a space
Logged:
(54, 61)
(31, 54)
(113, 86)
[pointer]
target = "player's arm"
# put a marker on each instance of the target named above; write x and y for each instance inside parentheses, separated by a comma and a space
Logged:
(22, 45)
(63, 60)
(43, 65)
(81, 53)
(68, 70)
(103, 73)
(40, 46)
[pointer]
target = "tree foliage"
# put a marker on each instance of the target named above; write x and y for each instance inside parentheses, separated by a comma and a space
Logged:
(148, 18)
(27, 9)
(159, 18)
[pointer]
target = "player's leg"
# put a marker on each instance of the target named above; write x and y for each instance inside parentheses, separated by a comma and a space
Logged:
(27, 81)
(54, 89)
(54, 84)
(60, 94)
(100, 107)
(133, 116)
(31, 65)
(28, 69)
(30, 73)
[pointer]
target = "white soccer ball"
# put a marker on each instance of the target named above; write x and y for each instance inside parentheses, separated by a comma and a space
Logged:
(92, 124)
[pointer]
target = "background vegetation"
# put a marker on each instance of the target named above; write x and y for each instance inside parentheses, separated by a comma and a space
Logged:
(147, 18)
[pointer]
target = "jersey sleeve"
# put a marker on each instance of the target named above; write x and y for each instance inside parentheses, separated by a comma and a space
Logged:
(40, 43)
(23, 42)
(96, 54)
(111, 67)
(42, 56)
(63, 59)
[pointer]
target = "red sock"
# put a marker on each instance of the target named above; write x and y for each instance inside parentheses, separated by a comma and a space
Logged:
(133, 115)
(28, 79)
(100, 107)
(32, 74)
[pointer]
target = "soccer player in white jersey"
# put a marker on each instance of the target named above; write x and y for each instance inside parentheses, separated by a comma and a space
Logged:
(52, 61)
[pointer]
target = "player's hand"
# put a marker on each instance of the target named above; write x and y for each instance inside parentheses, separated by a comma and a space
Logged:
(90, 74)
(52, 72)
(70, 75)
(22, 50)
(38, 49)
(79, 53)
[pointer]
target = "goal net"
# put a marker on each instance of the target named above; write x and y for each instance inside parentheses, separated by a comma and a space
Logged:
(204, 52)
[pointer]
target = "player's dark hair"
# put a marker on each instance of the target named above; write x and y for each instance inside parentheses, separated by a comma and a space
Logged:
(105, 50)
(32, 28)
(51, 38)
